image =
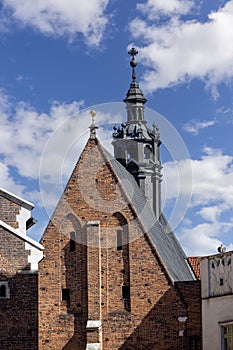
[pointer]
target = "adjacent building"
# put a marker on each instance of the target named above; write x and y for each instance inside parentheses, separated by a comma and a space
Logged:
(217, 301)
(19, 258)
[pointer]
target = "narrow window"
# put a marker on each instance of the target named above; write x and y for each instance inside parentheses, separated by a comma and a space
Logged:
(3, 291)
(126, 297)
(65, 294)
(119, 239)
(72, 241)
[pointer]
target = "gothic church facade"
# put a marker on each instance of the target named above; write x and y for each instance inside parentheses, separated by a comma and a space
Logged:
(113, 275)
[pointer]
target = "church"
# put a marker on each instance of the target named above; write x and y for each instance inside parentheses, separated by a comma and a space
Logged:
(109, 273)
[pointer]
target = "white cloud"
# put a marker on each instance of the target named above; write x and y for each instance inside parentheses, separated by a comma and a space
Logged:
(211, 213)
(194, 126)
(7, 181)
(24, 132)
(61, 17)
(181, 50)
(23, 135)
(201, 239)
(44, 147)
(212, 178)
(212, 198)
(156, 8)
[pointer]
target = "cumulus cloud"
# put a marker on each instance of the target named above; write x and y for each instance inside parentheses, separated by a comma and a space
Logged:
(178, 51)
(195, 126)
(212, 177)
(24, 133)
(156, 8)
(41, 149)
(212, 197)
(201, 239)
(60, 18)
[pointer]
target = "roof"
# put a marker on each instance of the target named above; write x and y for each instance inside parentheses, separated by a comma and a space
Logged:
(194, 262)
(165, 243)
(21, 236)
(16, 199)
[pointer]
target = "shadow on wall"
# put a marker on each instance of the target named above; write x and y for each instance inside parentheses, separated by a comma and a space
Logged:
(74, 295)
(160, 328)
(19, 312)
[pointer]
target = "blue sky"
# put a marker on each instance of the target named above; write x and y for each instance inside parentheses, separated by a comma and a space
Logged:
(60, 58)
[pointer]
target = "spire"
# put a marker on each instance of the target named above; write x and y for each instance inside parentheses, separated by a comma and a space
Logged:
(93, 127)
(135, 99)
(134, 93)
(136, 146)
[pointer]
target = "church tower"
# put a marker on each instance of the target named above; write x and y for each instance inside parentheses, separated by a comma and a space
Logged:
(112, 277)
(136, 146)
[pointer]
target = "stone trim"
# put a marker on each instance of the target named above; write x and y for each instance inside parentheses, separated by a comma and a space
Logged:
(16, 199)
(20, 235)
(94, 346)
(93, 324)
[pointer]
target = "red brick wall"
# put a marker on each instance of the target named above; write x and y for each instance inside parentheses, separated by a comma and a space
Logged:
(19, 313)
(13, 256)
(94, 273)
(9, 210)
(191, 294)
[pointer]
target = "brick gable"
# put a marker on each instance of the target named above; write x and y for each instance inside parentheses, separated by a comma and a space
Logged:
(121, 298)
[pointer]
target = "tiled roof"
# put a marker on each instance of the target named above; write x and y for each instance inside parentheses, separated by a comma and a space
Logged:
(194, 262)
(165, 243)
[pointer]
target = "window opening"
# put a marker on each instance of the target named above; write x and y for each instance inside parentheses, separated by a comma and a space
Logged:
(194, 343)
(119, 239)
(65, 294)
(3, 291)
(126, 297)
(227, 337)
(72, 241)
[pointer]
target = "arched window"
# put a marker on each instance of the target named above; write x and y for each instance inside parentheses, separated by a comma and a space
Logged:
(147, 152)
(2, 291)
(132, 152)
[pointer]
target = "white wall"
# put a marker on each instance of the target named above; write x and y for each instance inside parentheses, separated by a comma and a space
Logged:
(217, 297)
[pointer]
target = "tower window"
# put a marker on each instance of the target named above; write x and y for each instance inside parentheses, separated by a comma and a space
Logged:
(72, 241)
(119, 239)
(65, 294)
(147, 152)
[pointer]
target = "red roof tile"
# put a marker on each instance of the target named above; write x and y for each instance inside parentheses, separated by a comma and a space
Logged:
(194, 262)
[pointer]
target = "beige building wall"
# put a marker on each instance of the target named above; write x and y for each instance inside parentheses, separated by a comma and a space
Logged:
(217, 297)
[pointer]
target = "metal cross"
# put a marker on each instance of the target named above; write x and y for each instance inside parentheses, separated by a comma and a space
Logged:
(133, 52)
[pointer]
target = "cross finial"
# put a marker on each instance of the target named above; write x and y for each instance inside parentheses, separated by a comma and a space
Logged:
(133, 52)
(93, 127)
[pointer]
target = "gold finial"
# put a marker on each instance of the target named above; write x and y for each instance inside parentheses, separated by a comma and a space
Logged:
(93, 127)
(93, 114)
